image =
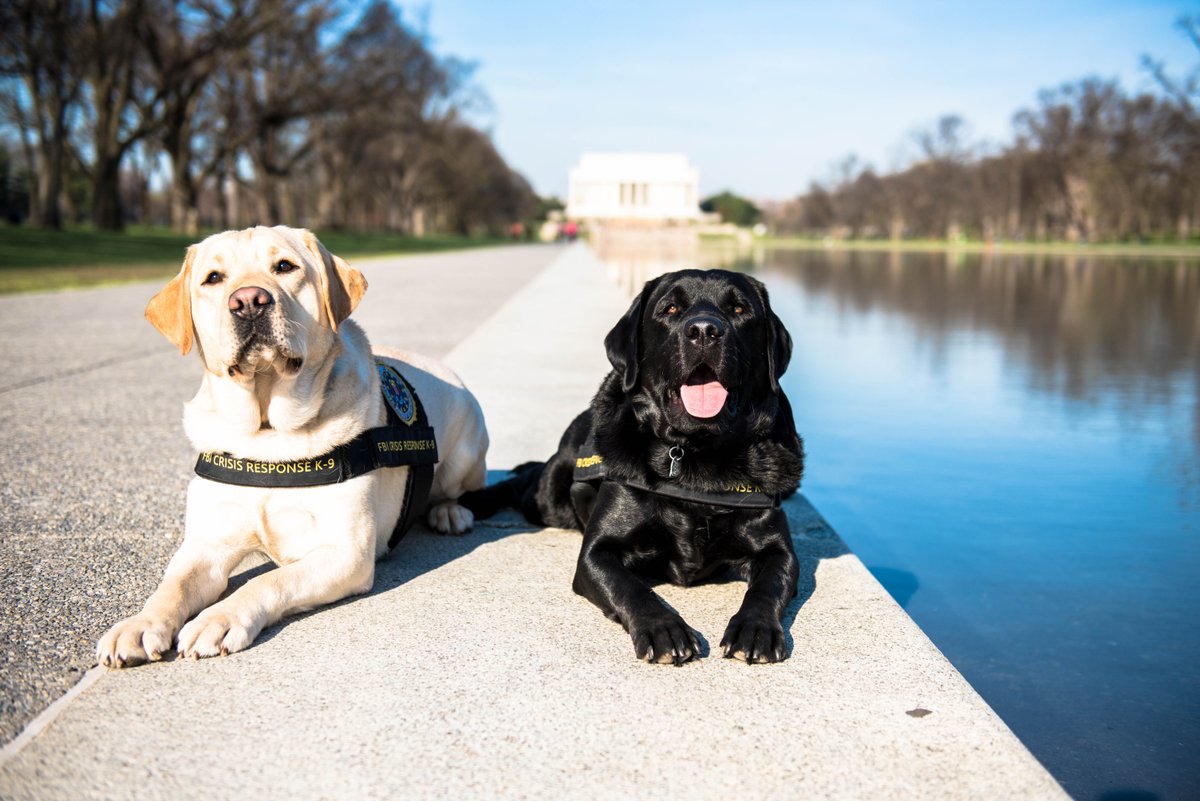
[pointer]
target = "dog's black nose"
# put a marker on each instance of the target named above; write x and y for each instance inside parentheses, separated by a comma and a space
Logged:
(703, 329)
(250, 302)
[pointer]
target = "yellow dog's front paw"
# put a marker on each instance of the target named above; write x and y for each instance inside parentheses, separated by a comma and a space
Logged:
(449, 517)
(133, 641)
(214, 632)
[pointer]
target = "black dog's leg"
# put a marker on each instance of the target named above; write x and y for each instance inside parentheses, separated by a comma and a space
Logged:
(583, 498)
(659, 634)
(755, 633)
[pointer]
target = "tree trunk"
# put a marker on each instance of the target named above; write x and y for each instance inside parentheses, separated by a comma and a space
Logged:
(41, 32)
(45, 211)
(106, 195)
(230, 200)
(112, 76)
(183, 198)
(45, 208)
(50, 123)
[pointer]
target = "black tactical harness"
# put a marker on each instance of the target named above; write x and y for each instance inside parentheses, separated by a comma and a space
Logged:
(590, 467)
(405, 440)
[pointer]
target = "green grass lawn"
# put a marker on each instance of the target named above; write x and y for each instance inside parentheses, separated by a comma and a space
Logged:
(33, 260)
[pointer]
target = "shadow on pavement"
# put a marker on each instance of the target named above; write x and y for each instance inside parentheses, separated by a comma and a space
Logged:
(421, 551)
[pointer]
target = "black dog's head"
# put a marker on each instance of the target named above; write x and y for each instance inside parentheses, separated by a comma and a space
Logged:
(704, 351)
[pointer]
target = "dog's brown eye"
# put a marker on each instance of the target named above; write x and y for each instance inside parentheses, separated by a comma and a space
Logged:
(739, 309)
(213, 278)
(672, 309)
(285, 266)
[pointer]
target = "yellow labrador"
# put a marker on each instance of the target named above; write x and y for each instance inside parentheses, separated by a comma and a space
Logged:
(287, 378)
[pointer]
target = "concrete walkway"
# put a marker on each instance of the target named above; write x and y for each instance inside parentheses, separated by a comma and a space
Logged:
(473, 671)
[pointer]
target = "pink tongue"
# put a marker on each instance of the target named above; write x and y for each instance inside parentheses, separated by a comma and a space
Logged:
(703, 400)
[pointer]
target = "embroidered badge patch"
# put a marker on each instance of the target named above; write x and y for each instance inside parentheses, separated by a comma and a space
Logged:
(397, 393)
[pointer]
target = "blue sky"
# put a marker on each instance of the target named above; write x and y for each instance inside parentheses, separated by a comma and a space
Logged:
(763, 96)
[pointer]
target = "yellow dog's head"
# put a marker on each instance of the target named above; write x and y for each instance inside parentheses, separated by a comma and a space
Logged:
(257, 300)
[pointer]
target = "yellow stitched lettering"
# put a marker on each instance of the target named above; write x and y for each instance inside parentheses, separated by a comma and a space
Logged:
(394, 446)
(589, 461)
(222, 461)
(225, 462)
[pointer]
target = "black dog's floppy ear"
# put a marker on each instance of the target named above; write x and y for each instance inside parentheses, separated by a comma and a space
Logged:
(780, 352)
(623, 341)
(779, 341)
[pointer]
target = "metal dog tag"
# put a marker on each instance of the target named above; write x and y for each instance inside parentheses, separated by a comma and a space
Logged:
(676, 454)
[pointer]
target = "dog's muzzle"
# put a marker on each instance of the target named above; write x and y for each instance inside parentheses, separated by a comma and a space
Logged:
(259, 333)
(704, 390)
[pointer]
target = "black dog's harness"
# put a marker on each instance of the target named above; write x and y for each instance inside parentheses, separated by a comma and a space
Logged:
(405, 440)
(590, 467)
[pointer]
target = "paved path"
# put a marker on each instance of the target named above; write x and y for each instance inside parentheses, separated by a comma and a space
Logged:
(473, 671)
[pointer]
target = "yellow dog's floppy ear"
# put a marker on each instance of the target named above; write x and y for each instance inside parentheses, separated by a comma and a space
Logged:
(170, 311)
(342, 286)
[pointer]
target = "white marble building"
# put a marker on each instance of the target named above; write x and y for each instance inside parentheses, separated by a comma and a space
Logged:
(634, 187)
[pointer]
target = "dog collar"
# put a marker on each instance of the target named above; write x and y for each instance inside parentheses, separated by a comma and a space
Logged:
(590, 467)
(406, 440)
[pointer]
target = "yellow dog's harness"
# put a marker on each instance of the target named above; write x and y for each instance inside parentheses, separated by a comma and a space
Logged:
(405, 440)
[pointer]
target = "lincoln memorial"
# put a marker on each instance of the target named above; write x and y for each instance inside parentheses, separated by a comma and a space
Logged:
(649, 188)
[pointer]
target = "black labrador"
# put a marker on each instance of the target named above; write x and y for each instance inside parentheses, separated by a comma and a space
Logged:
(677, 468)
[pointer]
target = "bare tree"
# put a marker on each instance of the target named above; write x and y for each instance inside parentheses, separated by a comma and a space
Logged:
(309, 116)
(119, 116)
(1088, 161)
(375, 141)
(38, 43)
(943, 174)
(1183, 132)
(186, 43)
(471, 190)
(282, 84)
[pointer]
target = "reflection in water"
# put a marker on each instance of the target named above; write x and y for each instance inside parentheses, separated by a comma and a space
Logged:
(632, 256)
(1018, 439)
(1079, 324)
(1092, 330)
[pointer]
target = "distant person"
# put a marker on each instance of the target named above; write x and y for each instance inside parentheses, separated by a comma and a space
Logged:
(517, 230)
(571, 230)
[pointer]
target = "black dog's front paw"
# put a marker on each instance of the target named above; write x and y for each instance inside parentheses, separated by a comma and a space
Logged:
(668, 641)
(753, 638)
